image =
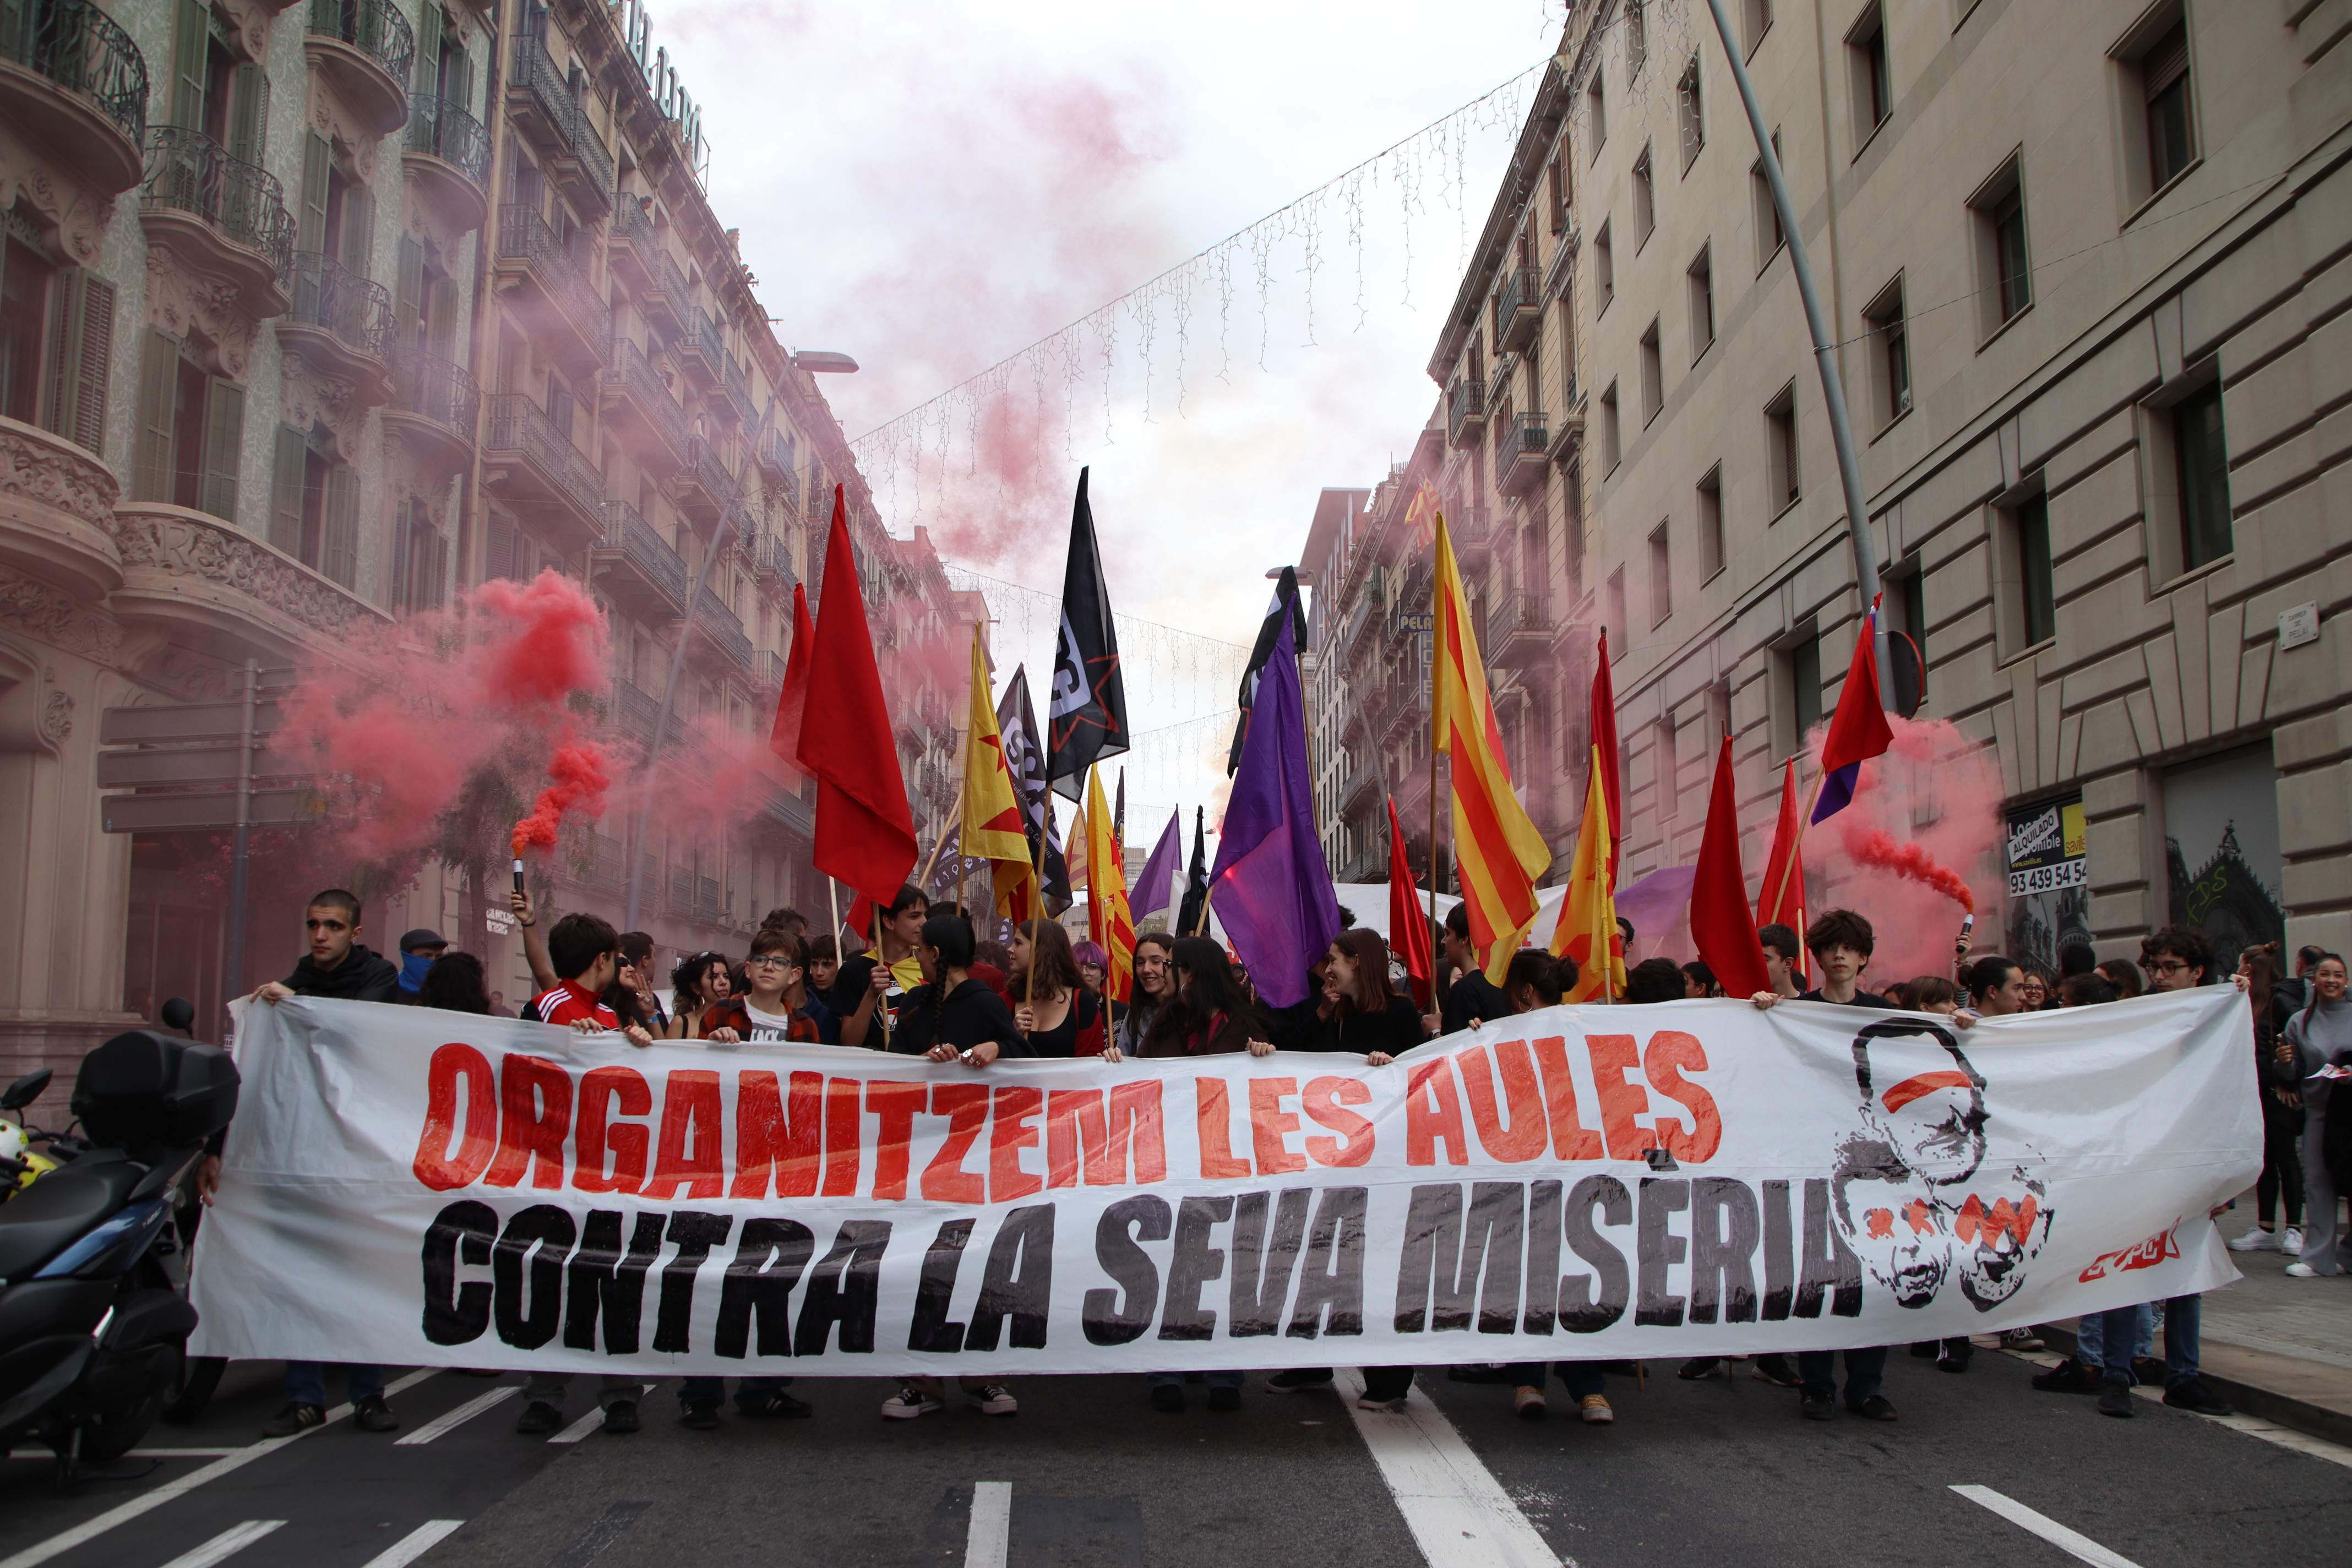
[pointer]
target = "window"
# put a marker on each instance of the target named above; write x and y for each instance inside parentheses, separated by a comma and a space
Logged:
(1702, 302)
(2159, 112)
(1667, 764)
(2004, 267)
(1782, 479)
(1890, 356)
(1911, 597)
(1755, 20)
(1874, 93)
(1710, 523)
(1662, 577)
(1611, 434)
(1596, 114)
(1653, 392)
(314, 508)
(1604, 270)
(2201, 459)
(1556, 194)
(56, 328)
(1770, 235)
(1618, 622)
(191, 432)
(1637, 39)
(1803, 666)
(2025, 596)
(1693, 112)
(420, 559)
(1645, 203)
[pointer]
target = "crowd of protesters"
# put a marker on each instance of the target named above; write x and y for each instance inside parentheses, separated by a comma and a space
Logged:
(930, 987)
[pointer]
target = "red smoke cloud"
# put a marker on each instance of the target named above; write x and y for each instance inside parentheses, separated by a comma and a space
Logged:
(552, 643)
(1876, 847)
(577, 780)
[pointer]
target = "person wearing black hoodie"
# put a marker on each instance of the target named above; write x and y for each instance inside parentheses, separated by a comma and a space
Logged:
(1359, 1012)
(337, 966)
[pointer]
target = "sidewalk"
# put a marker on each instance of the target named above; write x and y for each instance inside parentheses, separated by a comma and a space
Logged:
(2276, 1348)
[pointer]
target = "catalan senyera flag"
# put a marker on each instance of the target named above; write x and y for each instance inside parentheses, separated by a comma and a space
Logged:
(1497, 852)
(1587, 929)
(991, 828)
(1107, 893)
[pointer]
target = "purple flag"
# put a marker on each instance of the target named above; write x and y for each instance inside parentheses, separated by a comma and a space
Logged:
(1153, 888)
(1271, 888)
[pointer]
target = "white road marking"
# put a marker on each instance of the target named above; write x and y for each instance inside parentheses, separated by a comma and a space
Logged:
(1459, 1515)
(147, 1502)
(48, 1458)
(227, 1544)
(449, 1421)
(415, 1543)
(991, 1535)
(581, 1427)
(2252, 1426)
(2073, 1542)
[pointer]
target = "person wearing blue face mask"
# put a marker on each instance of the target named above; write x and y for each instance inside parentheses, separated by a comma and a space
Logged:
(418, 949)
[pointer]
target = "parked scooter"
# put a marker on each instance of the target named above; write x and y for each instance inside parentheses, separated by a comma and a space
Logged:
(94, 1316)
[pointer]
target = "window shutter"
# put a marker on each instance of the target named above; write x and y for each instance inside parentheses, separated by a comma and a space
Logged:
(289, 472)
(249, 112)
(400, 536)
(81, 341)
(151, 460)
(457, 83)
(340, 558)
(437, 571)
(427, 71)
(2167, 62)
(223, 444)
(191, 41)
(409, 300)
(318, 159)
(559, 408)
(499, 548)
(359, 229)
(441, 325)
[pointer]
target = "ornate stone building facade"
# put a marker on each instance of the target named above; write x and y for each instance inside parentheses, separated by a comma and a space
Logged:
(312, 316)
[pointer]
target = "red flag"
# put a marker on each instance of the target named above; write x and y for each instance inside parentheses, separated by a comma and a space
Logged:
(1719, 924)
(1604, 726)
(865, 833)
(1781, 899)
(1408, 916)
(792, 703)
(1858, 729)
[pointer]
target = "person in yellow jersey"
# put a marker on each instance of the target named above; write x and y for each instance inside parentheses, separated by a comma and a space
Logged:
(884, 984)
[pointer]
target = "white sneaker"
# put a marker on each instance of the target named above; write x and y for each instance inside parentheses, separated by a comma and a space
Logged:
(2021, 1339)
(2290, 1240)
(908, 1402)
(996, 1399)
(2301, 1271)
(2255, 1241)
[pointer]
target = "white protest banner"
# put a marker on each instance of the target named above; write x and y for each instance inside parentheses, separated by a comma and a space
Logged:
(408, 1186)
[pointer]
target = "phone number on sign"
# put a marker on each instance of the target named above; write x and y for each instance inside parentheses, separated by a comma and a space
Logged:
(2047, 878)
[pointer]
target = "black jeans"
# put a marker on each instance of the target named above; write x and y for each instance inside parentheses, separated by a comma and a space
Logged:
(1865, 1372)
(1582, 1378)
(2281, 1170)
(1387, 1382)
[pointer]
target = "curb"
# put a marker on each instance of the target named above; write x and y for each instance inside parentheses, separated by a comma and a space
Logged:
(2250, 1399)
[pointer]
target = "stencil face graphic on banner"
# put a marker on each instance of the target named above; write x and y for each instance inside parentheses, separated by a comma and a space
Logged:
(1916, 1195)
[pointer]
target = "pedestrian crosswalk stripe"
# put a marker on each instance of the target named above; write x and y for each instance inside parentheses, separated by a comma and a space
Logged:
(227, 1544)
(2072, 1542)
(989, 1536)
(449, 1421)
(1459, 1515)
(588, 1423)
(415, 1543)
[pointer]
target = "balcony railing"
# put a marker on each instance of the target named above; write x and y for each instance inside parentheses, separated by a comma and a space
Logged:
(436, 389)
(634, 374)
(704, 486)
(84, 51)
(1520, 450)
(517, 425)
(189, 172)
(641, 544)
(698, 345)
(769, 668)
(326, 293)
(1499, 383)
(444, 130)
(723, 628)
(524, 236)
(738, 393)
(1465, 411)
(633, 713)
(372, 27)
(1518, 311)
(534, 70)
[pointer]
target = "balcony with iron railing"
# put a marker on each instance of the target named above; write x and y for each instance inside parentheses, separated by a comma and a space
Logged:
(1519, 308)
(447, 157)
(636, 260)
(739, 395)
(772, 562)
(702, 487)
(434, 404)
(1518, 629)
(532, 465)
(719, 630)
(1405, 706)
(572, 154)
(774, 452)
(647, 416)
(635, 710)
(1465, 411)
(768, 669)
(217, 215)
(364, 48)
(568, 316)
(1522, 448)
(700, 353)
(1473, 531)
(637, 565)
(1502, 380)
(339, 322)
(74, 83)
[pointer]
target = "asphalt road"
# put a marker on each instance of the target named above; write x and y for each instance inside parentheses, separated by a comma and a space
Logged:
(1722, 1471)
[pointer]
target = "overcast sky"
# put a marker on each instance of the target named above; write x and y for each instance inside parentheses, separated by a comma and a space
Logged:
(930, 187)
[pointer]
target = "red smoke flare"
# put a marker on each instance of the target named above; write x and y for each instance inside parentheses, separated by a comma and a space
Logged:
(555, 645)
(577, 780)
(1868, 846)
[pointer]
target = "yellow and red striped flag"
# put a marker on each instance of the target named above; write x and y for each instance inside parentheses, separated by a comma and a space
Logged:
(1497, 852)
(992, 829)
(1587, 928)
(1107, 894)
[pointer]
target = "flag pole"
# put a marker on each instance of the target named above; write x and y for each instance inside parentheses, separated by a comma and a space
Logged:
(1787, 865)
(882, 958)
(940, 842)
(832, 896)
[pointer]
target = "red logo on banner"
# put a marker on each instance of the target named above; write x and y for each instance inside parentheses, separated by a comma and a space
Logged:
(2147, 1254)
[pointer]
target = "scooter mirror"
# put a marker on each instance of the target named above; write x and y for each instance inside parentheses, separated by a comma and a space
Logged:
(25, 1090)
(178, 1014)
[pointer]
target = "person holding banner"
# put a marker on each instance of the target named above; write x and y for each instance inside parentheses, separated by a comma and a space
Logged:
(1359, 1013)
(1051, 1004)
(1211, 1014)
(1782, 964)
(954, 1016)
(1472, 998)
(765, 1011)
(883, 983)
(1155, 987)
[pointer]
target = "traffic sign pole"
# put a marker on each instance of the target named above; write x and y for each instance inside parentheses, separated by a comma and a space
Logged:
(233, 946)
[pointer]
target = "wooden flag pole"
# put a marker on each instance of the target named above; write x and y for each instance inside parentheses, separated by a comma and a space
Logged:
(881, 1004)
(1781, 886)
(832, 896)
(939, 842)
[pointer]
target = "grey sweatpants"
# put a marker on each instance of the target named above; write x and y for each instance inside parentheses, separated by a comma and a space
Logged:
(2319, 1198)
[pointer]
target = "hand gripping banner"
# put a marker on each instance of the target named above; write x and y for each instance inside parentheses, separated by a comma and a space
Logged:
(408, 1186)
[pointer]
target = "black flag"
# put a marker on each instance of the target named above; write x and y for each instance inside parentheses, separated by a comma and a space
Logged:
(1086, 711)
(1196, 881)
(1026, 759)
(1286, 592)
